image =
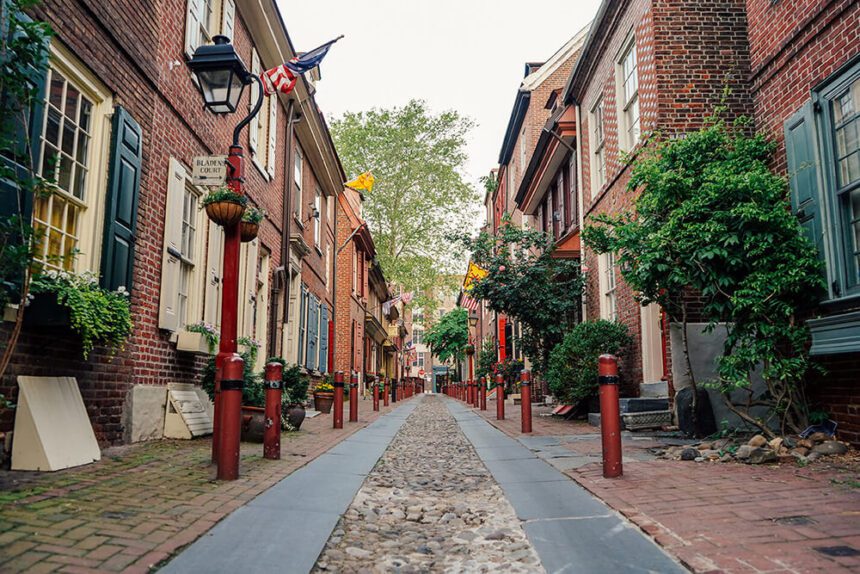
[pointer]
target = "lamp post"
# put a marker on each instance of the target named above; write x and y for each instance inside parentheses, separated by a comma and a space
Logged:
(473, 323)
(222, 77)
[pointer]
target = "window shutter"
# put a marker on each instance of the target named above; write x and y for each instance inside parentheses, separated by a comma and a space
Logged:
(250, 287)
(802, 156)
(228, 18)
(121, 204)
(324, 340)
(300, 355)
(214, 263)
(171, 266)
(313, 331)
(273, 134)
(25, 128)
(193, 16)
(253, 127)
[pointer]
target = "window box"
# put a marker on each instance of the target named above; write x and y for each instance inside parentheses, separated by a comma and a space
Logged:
(835, 334)
(189, 342)
(45, 311)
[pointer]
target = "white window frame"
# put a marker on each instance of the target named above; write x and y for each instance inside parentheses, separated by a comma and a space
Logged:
(194, 262)
(609, 291)
(222, 20)
(298, 174)
(597, 165)
(627, 95)
(90, 217)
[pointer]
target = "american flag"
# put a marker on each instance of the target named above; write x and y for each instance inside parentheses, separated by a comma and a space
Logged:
(283, 78)
(468, 303)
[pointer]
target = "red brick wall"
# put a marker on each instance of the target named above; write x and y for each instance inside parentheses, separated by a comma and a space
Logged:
(682, 72)
(794, 46)
(350, 314)
(134, 58)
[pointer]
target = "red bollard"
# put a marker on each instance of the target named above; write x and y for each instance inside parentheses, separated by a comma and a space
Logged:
(353, 398)
(526, 401)
(385, 384)
(610, 415)
(274, 394)
(337, 409)
(232, 380)
(500, 398)
(483, 392)
(376, 396)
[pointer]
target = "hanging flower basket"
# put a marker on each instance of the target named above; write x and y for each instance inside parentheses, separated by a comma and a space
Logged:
(250, 226)
(225, 207)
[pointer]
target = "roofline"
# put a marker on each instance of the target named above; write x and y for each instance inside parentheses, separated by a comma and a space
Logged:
(537, 155)
(518, 114)
(580, 73)
(573, 45)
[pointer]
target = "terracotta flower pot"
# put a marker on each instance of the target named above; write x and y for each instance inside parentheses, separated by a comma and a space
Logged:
(323, 401)
(225, 213)
(249, 231)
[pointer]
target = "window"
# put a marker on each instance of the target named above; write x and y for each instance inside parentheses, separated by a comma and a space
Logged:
(417, 336)
(317, 217)
(418, 316)
(420, 360)
(562, 212)
(573, 200)
(598, 162)
(298, 161)
(71, 159)
(188, 249)
(846, 143)
(628, 96)
(262, 131)
(608, 302)
(205, 19)
(355, 270)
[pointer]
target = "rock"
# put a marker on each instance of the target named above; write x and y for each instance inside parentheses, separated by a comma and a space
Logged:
(705, 446)
(806, 443)
(776, 443)
(789, 442)
(726, 458)
(830, 447)
(799, 458)
(465, 536)
(413, 517)
(814, 456)
(757, 441)
(497, 535)
(786, 458)
(743, 452)
(721, 444)
(799, 451)
(699, 459)
(819, 437)
(689, 453)
(761, 456)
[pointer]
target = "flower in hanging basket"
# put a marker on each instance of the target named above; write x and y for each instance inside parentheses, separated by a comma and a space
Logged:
(250, 225)
(224, 206)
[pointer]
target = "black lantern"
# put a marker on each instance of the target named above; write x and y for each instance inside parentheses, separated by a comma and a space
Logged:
(473, 320)
(221, 75)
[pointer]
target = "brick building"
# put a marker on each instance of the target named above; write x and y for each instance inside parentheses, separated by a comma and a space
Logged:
(121, 87)
(805, 85)
(644, 69)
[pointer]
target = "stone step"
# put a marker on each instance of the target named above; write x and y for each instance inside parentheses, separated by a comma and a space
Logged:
(657, 390)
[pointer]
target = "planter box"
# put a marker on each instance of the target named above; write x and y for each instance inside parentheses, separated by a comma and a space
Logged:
(44, 311)
(189, 342)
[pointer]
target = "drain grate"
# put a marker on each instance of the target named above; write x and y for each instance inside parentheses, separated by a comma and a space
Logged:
(838, 551)
(798, 520)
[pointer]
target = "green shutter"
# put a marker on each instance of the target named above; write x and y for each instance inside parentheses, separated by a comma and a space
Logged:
(803, 172)
(302, 323)
(313, 332)
(121, 204)
(324, 340)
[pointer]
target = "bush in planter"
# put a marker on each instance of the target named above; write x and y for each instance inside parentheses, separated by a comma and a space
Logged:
(253, 393)
(99, 316)
(295, 382)
(224, 206)
(572, 372)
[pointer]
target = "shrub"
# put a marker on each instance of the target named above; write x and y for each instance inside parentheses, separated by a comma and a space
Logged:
(572, 373)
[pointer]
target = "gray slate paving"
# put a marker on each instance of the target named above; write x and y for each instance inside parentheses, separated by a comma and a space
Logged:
(285, 528)
(571, 530)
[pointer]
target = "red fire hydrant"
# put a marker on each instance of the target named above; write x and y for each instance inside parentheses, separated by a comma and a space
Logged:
(610, 415)
(500, 398)
(353, 397)
(376, 395)
(337, 410)
(526, 401)
(274, 395)
(232, 380)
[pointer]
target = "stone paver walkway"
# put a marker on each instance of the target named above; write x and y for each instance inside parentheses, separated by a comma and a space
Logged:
(430, 505)
(714, 517)
(140, 503)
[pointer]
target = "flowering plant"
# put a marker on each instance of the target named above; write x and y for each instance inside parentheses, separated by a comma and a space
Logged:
(99, 316)
(253, 215)
(223, 194)
(208, 331)
(324, 387)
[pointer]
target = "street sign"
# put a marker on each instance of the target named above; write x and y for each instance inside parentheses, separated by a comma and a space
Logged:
(209, 170)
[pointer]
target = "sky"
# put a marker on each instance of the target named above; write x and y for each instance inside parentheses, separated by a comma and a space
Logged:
(466, 55)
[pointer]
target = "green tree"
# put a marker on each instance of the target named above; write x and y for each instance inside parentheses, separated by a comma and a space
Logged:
(527, 283)
(420, 197)
(487, 357)
(449, 336)
(713, 222)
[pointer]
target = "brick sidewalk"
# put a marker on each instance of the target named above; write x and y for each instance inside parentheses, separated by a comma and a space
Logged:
(141, 503)
(722, 517)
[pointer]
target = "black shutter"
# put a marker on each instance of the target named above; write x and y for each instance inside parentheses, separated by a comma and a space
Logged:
(803, 176)
(121, 205)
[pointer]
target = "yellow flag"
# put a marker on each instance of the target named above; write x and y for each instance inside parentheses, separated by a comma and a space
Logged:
(475, 273)
(362, 182)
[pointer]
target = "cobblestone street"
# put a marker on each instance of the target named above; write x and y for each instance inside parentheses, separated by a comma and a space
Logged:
(430, 504)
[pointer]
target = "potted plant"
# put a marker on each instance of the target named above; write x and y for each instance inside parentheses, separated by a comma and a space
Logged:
(324, 396)
(250, 225)
(295, 393)
(97, 315)
(200, 338)
(224, 206)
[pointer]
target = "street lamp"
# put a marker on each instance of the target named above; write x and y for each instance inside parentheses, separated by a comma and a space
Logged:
(473, 322)
(222, 77)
